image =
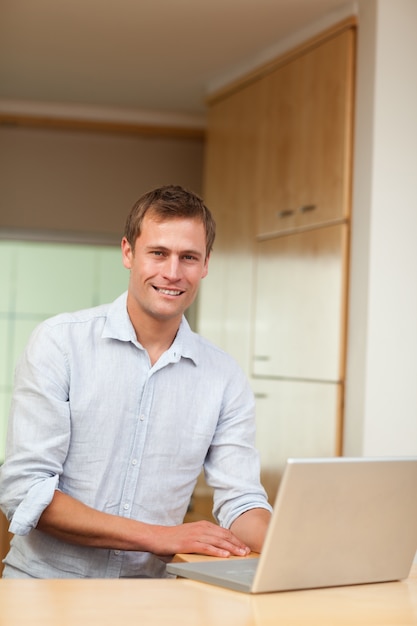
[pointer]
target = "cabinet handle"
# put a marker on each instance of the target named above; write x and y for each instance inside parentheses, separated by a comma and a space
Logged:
(307, 207)
(285, 213)
(261, 357)
(260, 396)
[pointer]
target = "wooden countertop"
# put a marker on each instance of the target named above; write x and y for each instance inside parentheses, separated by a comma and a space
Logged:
(187, 603)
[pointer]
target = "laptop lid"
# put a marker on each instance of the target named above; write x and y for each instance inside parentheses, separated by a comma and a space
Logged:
(336, 521)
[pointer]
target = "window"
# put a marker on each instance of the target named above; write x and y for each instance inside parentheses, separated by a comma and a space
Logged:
(41, 279)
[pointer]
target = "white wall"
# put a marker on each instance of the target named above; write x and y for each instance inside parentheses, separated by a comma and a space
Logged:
(381, 393)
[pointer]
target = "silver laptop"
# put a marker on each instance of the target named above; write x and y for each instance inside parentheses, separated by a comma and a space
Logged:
(336, 521)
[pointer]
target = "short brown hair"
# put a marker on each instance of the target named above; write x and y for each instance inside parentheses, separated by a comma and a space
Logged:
(169, 202)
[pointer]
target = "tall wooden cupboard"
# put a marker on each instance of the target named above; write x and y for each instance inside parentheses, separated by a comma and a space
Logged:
(278, 180)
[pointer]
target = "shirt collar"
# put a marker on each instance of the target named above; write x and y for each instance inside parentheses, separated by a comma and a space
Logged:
(118, 326)
(186, 342)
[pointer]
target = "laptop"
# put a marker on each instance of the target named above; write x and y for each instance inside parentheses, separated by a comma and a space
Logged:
(336, 521)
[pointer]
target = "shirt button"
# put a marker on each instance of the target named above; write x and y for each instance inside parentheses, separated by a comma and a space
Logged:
(117, 552)
(134, 462)
(142, 417)
(125, 506)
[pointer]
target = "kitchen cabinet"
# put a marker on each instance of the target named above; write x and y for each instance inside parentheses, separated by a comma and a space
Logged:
(305, 140)
(295, 419)
(5, 538)
(299, 313)
(224, 304)
(278, 180)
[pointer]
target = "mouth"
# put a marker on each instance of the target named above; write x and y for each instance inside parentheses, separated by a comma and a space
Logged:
(169, 292)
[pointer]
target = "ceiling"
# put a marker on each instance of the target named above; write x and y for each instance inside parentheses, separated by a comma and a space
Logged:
(154, 55)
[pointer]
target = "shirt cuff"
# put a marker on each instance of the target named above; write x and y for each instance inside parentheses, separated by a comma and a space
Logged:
(28, 512)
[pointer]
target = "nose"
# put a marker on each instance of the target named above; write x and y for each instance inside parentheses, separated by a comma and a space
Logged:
(172, 268)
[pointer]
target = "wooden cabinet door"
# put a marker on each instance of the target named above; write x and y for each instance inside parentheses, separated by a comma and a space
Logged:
(299, 312)
(295, 419)
(303, 171)
(5, 538)
(224, 303)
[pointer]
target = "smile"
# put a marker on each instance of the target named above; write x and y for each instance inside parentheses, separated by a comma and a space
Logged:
(169, 292)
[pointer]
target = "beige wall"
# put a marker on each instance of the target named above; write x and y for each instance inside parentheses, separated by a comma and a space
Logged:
(85, 182)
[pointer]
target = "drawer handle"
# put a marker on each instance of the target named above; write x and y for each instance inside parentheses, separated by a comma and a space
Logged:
(261, 357)
(285, 213)
(260, 396)
(307, 207)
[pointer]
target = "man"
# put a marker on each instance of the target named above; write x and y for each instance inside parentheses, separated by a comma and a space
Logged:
(115, 411)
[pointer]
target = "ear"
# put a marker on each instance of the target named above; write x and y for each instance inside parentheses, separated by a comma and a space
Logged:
(205, 267)
(127, 253)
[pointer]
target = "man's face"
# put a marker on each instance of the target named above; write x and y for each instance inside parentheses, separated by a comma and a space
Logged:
(166, 267)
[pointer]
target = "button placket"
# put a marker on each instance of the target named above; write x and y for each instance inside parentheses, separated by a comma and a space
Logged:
(133, 469)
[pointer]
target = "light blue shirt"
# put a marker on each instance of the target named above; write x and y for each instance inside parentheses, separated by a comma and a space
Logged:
(91, 417)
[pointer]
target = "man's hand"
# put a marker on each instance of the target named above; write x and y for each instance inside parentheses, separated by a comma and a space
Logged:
(198, 538)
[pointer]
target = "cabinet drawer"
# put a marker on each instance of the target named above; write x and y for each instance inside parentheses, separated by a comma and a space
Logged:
(299, 312)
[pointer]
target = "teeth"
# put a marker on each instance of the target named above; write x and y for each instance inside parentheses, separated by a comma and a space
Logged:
(170, 292)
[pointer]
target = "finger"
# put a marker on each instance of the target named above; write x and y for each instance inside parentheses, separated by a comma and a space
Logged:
(223, 540)
(211, 549)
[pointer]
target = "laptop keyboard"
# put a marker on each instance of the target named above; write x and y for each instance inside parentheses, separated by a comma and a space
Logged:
(244, 571)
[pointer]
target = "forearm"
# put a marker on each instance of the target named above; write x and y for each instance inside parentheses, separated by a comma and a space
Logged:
(72, 521)
(251, 528)
(69, 520)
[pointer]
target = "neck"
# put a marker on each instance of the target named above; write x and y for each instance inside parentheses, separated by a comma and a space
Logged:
(155, 335)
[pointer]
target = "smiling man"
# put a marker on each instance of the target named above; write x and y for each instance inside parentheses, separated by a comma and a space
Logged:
(166, 262)
(116, 410)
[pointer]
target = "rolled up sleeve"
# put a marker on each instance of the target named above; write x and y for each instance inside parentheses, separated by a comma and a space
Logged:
(232, 465)
(32, 506)
(38, 433)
